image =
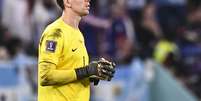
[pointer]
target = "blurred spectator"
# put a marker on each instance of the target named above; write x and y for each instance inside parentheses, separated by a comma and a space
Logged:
(190, 38)
(135, 9)
(149, 32)
(163, 50)
(24, 65)
(103, 8)
(2, 33)
(120, 36)
(4, 57)
(91, 39)
(168, 31)
(17, 17)
(171, 15)
(190, 46)
(150, 21)
(44, 13)
(94, 27)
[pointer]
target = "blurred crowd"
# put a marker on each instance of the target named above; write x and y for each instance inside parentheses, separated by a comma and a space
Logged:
(133, 33)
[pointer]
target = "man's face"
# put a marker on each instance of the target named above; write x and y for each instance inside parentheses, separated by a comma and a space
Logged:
(81, 7)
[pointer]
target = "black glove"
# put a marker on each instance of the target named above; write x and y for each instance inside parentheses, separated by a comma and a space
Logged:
(106, 70)
(101, 69)
(94, 80)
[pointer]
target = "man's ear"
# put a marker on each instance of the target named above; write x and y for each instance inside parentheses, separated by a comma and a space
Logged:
(67, 3)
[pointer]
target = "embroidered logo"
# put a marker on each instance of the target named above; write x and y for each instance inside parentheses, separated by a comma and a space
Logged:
(73, 50)
(51, 45)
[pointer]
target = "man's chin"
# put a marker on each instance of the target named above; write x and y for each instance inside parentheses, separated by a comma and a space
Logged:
(85, 13)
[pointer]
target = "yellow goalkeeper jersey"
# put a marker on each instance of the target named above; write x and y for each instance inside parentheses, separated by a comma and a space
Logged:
(61, 50)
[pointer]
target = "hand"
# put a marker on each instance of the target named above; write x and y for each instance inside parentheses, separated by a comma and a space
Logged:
(104, 70)
(94, 80)
(101, 70)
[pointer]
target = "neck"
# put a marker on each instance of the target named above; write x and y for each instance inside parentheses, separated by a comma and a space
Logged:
(71, 18)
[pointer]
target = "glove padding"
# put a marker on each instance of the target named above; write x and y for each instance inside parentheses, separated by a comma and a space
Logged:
(97, 70)
(105, 70)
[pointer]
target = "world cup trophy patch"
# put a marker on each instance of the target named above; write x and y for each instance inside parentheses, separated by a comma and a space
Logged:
(51, 45)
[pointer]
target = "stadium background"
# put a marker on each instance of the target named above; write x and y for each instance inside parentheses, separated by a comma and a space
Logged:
(155, 43)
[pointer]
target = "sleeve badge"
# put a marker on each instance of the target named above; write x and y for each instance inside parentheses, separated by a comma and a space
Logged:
(51, 45)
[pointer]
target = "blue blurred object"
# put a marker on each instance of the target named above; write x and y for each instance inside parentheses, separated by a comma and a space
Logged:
(23, 63)
(8, 75)
(136, 86)
(170, 2)
(128, 84)
(191, 50)
(136, 4)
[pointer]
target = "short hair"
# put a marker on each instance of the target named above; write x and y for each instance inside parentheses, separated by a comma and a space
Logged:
(60, 3)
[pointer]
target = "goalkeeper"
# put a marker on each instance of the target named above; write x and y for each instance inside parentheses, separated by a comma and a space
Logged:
(64, 71)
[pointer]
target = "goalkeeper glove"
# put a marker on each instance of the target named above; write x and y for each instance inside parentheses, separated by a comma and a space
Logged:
(101, 69)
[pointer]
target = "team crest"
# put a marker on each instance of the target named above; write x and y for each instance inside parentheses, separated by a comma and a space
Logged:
(51, 45)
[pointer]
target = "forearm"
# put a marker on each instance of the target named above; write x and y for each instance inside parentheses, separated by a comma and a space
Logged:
(49, 75)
